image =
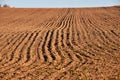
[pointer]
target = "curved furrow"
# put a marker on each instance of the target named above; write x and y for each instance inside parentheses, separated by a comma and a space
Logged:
(68, 58)
(27, 71)
(98, 50)
(86, 31)
(86, 21)
(104, 23)
(60, 44)
(76, 38)
(10, 60)
(93, 21)
(111, 46)
(34, 51)
(63, 40)
(61, 22)
(75, 34)
(85, 37)
(45, 52)
(61, 49)
(40, 57)
(77, 48)
(103, 49)
(78, 34)
(69, 40)
(65, 21)
(22, 41)
(72, 58)
(48, 49)
(31, 50)
(4, 36)
(68, 33)
(4, 40)
(87, 53)
(52, 22)
(21, 57)
(83, 32)
(54, 48)
(29, 47)
(57, 20)
(34, 61)
(105, 38)
(65, 35)
(59, 55)
(81, 29)
(10, 41)
(67, 44)
(91, 26)
(50, 45)
(10, 46)
(113, 32)
(23, 47)
(110, 39)
(25, 50)
(40, 50)
(92, 43)
(7, 68)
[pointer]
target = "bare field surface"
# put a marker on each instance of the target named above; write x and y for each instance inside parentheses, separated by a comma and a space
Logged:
(60, 44)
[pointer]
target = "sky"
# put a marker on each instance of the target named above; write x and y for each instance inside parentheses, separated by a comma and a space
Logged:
(59, 3)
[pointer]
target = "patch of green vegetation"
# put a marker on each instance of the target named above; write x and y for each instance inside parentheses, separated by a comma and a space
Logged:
(33, 54)
(73, 72)
(85, 78)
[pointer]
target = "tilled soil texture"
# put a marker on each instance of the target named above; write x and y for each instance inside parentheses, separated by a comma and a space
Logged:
(60, 44)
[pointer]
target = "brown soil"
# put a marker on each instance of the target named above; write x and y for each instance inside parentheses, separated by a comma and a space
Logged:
(60, 44)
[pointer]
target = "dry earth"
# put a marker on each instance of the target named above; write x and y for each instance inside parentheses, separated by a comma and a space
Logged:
(60, 44)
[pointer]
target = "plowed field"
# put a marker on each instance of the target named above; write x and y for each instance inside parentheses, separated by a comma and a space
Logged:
(60, 44)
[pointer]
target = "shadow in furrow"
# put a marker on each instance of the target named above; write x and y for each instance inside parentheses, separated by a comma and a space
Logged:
(49, 45)
(29, 48)
(43, 46)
